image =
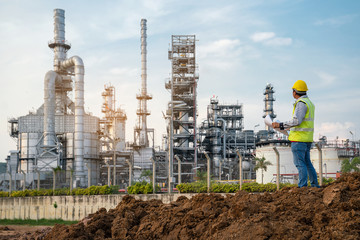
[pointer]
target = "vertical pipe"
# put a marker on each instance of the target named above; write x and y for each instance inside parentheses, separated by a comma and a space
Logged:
(114, 158)
(10, 182)
(38, 179)
(320, 164)
(24, 174)
(89, 174)
(171, 142)
(240, 169)
(130, 171)
(325, 170)
(108, 167)
(154, 175)
(179, 169)
(208, 172)
(54, 181)
(114, 138)
(71, 179)
(49, 108)
(277, 168)
(77, 62)
(220, 166)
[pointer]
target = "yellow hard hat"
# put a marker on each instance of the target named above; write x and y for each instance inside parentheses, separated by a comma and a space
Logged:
(300, 86)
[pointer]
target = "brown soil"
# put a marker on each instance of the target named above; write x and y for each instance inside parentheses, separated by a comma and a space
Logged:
(292, 213)
(21, 231)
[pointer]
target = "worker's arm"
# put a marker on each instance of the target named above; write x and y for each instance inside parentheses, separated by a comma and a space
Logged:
(299, 114)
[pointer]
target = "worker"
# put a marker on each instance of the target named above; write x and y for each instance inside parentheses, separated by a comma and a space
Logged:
(301, 134)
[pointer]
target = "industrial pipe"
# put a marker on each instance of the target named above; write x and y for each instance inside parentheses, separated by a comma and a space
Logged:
(49, 108)
(71, 178)
(240, 169)
(89, 174)
(10, 182)
(108, 166)
(130, 171)
(154, 174)
(78, 65)
(38, 180)
(277, 168)
(208, 172)
(179, 169)
(22, 171)
(54, 181)
(320, 164)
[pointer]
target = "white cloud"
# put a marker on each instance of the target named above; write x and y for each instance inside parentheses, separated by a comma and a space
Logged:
(262, 36)
(326, 78)
(269, 39)
(334, 129)
(222, 47)
(336, 21)
(124, 71)
(279, 42)
(221, 54)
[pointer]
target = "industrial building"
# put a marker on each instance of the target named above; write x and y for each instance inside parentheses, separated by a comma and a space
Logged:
(90, 150)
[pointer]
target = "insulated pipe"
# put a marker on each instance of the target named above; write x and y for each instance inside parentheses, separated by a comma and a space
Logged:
(320, 164)
(24, 174)
(277, 168)
(77, 62)
(10, 182)
(240, 169)
(154, 175)
(49, 108)
(208, 172)
(179, 169)
(71, 181)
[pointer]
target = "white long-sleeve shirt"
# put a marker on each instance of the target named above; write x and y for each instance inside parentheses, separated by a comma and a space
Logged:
(299, 114)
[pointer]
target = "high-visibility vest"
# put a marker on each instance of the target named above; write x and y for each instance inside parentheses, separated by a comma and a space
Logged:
(305, 131)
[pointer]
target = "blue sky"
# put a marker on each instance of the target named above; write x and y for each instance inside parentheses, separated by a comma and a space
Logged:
(243, 45)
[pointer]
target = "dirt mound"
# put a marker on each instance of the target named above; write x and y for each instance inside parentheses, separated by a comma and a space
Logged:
(292, 213)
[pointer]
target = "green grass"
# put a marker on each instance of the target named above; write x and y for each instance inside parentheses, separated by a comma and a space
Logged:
(41, 222)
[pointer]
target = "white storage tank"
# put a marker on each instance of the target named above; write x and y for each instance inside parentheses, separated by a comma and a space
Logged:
(331, 163)
(288, 171)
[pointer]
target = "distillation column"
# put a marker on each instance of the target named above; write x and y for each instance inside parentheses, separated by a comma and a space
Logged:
(269, 103)
(63, 68)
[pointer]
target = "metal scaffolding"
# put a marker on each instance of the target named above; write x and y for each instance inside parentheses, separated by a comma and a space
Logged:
(182, 108)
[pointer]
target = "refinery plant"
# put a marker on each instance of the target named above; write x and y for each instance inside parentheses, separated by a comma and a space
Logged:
(61, 140)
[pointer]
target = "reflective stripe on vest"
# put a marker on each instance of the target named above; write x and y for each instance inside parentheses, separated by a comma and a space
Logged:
(305, 131)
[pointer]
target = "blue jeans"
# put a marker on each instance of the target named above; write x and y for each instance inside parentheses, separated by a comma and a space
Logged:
(301, 154)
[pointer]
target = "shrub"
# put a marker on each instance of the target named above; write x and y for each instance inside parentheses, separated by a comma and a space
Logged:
(4, 194)
(142, 188)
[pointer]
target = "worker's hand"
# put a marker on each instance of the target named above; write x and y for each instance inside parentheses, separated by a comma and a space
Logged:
(276, 125)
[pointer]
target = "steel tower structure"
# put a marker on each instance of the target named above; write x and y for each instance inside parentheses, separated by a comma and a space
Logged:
(141, 138)
(182, 109)
(269, 102)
